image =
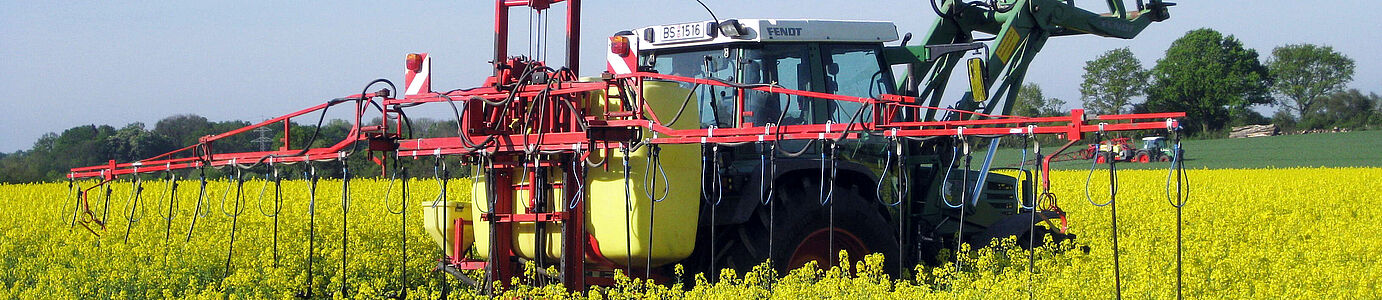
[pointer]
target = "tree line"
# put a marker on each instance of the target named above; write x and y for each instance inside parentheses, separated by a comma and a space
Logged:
(87, 145)
(1218, 83)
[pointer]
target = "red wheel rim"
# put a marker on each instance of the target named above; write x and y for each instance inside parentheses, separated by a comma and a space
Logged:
(814, 248)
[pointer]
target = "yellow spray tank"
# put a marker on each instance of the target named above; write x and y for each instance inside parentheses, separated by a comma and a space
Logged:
(437, 215)
(606, 205)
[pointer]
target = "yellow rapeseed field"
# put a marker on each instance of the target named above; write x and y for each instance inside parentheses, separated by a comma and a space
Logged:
(1254, 234)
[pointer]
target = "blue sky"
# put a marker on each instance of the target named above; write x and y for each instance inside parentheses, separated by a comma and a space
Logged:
(111, 62)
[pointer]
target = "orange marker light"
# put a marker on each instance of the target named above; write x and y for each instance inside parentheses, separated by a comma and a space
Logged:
(619, 45)
(414, 62)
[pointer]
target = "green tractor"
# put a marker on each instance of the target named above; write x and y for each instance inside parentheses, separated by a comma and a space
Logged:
(1155, 149)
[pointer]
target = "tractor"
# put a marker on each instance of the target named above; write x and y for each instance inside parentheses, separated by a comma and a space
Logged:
(1153, 149)
(725, 143)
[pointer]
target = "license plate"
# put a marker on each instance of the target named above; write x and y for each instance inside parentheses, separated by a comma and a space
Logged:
(682, 33)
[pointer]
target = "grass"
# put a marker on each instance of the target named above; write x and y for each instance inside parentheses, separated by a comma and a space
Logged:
(1347, 149)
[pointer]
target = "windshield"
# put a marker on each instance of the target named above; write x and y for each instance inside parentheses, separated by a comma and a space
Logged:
(843, 69)
(853, 70)
(711, 63)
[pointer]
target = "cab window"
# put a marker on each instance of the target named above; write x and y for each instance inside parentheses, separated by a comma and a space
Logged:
(716, 104)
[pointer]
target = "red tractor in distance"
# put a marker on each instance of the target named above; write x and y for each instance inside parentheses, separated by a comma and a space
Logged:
(1153, 149)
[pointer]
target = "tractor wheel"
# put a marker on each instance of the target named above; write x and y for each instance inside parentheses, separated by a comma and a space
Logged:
(1163, 158)
(801, 231)
(1142, 157)
(860, 228)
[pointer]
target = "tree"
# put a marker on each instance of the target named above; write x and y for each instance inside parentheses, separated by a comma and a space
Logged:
(1111, 81)
(134, 143)
(1212, 78)
(1349, 109)
(1305, 72)
(1032, 103)
(183, 129)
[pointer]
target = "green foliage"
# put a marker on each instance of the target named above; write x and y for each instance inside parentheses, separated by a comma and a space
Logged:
(1349, 109)
(1211, 77)
(1111, 81)
(1284, 120)
(1032, 103)
(1305, 72)
(87, 145)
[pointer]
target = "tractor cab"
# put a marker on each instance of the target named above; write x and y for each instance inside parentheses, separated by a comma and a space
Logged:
(1154, 143)
(826, 56)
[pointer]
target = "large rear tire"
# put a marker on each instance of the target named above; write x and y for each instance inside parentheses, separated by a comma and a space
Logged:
(800, 230)
(1143, 157)
(807, 234)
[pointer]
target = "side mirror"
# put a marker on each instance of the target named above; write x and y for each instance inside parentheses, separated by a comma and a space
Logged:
(976, 80)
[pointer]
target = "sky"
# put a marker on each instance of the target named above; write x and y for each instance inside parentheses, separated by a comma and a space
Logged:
(72, 63)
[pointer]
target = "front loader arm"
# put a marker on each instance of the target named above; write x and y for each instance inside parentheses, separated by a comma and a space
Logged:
(1020, 28)
(1061, 18)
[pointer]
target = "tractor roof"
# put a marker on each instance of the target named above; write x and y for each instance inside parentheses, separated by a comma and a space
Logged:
(764, 30)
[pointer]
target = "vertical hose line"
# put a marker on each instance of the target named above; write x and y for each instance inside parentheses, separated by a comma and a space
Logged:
(345, 211)
(273, 177)
(893, 150)
(568, 198)
(201, 195)
(492, 197)
(653, 164)
(830, 196)
(62, 213)
(772, 205)
(1112, 203)
(403, 233)
(79, 201)
(137, 189)
(234, 221)
(1113, 209)
(76, 203)
(825, 200)
(766, 175)
(172, 206)
(1177, 170)
(442, 174)
(964, 194)
(311, 225)
(628, 208)
(398, 171)
(105, 211)
(278, 207)
(1031, 223)
(537, 190)
(652, 213)
(716, 183)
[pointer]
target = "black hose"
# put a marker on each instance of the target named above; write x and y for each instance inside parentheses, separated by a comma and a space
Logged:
(311, 228)
(172, 206)
(460, 128)
(234, 221)
(136, 191)
(201, 195)
(345, 211)
(777, 135)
